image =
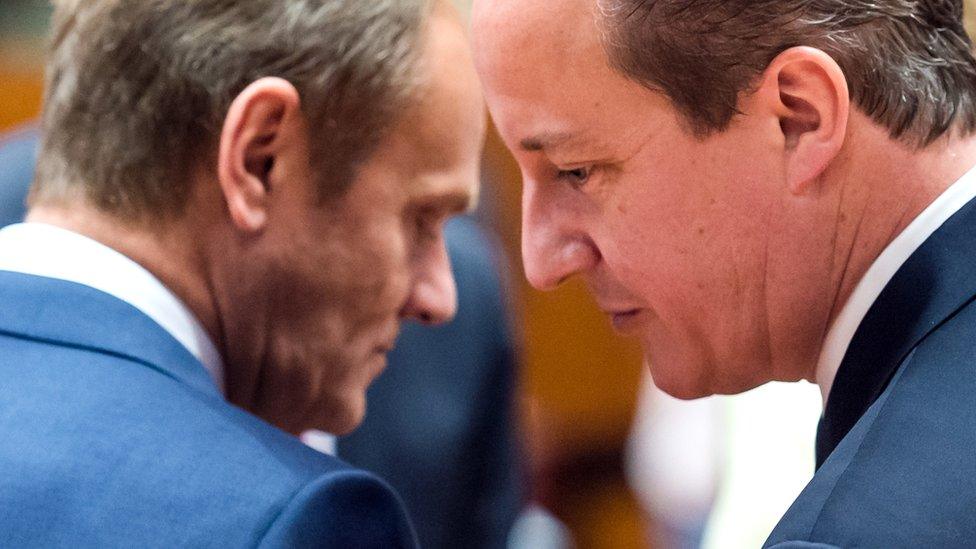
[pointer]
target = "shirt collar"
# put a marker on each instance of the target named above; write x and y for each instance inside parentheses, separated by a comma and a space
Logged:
(45, 250)
(881, 272)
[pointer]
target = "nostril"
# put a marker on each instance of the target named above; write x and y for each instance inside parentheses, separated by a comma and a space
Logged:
(426, 317)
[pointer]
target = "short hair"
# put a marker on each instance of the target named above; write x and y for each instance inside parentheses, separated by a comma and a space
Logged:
(908, 63)
(137, 90)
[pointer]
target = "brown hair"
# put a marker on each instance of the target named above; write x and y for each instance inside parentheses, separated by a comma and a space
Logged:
(137, 90)
(908, 63)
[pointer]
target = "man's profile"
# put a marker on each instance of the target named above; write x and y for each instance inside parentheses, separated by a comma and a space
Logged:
(235, 206)
(769, 191)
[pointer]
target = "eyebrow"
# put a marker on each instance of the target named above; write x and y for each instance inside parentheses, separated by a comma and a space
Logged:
(452, 203)
(545, 141)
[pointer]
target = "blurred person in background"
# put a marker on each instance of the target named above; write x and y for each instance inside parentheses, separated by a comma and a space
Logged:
(720, 471)
(769, 191)
(18, 152)
(441, 426)
(674, 464)
(216, 184)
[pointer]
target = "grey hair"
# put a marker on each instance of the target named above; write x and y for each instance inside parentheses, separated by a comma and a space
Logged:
(909, 63)
(137, 90)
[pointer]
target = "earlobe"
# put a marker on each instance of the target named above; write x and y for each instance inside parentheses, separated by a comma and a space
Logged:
(813, 106)
(251, 141)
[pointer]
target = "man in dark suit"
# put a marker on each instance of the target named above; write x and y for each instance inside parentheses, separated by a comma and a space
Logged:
(769, 191)
(233, 210)
(440, 428)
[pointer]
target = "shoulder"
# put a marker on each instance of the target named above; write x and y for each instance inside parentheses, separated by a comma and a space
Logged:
(93, 439)
(345, 509)
(905, 475)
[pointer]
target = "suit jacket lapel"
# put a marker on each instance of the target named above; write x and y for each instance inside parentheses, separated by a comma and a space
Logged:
(935, 282)
(65, 313)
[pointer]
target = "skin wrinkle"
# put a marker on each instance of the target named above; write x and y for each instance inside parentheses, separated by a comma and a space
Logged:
(764, 288)
(840, 218)
(840, 298)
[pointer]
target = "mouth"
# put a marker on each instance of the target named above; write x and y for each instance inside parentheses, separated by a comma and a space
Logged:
(383, 349)
(624, 321)
(387, 342)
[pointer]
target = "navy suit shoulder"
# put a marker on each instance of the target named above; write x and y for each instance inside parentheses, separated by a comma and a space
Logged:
(904, 473)
(114, 436)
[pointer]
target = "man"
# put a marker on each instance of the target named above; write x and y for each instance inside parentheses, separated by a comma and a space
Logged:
(769, 191)
(235, 205)
(430, 450)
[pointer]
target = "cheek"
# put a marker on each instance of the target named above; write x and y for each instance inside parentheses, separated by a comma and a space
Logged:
(378, 279)
(691, 243)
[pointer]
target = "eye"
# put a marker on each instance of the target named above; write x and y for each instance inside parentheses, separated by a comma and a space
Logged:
(428, 224)
(576, 177)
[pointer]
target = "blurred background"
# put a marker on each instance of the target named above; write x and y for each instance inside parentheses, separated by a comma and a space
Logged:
(606, 460)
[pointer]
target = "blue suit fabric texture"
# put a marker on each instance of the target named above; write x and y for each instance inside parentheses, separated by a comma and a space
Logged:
(896, 446)
(115, 436)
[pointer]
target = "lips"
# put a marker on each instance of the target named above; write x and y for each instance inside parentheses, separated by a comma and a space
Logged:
(624, 320)
(384, 348)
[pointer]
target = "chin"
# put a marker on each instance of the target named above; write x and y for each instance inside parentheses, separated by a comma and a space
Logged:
(679, 377)
(679, 388)
(344, 416)
(688, 371)
(692, 380)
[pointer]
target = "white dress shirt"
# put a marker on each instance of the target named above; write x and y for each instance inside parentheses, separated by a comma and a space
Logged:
(48, 251)
(882, 271)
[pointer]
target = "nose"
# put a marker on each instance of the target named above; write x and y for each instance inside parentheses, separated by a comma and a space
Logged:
(433, 296)
(554, 246)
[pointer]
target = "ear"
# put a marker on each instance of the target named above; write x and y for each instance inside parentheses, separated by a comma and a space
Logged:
(253, 136)
(808, 92)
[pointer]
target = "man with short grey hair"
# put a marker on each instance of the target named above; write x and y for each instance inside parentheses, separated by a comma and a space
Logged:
(769, 190)
(236, 204)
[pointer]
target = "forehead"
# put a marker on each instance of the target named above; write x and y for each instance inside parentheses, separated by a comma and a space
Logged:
(435, 146)
(524, 41)
(546, 74)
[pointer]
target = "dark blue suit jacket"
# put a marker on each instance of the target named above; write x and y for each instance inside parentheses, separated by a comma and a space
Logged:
(115, 436)
(896, 448)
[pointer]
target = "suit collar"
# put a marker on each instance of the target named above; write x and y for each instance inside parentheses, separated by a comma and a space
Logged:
(45, 250)
(936, 281)
(70, 314)
(882, 270)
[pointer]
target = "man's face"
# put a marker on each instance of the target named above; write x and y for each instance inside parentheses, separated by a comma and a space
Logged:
(670, 231)
(341, 276)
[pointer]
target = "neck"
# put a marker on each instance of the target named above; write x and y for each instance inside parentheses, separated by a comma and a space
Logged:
(166, 252)
(892, 185)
